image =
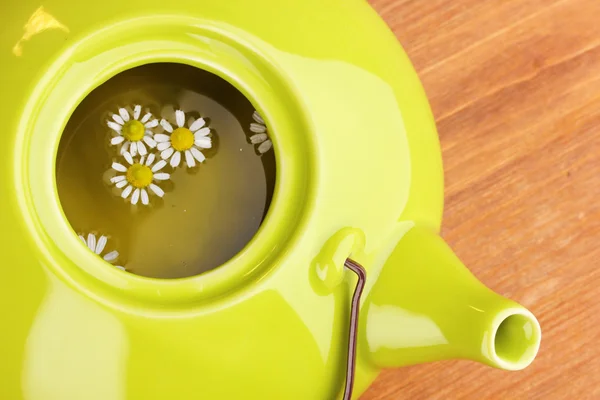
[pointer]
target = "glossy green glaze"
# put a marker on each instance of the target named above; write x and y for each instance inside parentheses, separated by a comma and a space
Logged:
(359, 173)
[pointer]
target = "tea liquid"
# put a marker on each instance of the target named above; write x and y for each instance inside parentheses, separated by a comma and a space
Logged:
(208, 213)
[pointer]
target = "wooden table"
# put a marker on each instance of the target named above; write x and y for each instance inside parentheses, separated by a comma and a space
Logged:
(515, 88)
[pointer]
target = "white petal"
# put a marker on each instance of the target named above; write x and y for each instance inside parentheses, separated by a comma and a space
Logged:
(203, 142)
(152, 124)
(150, 159)
(265, 146)
(121, 268)
(125, 147)
(124, 114)
(127, 191)
(198, 154)
(158, 191)
(180, 118)
(258, 128)
(163, 146)
(161, 138)
(199, 123)
(202, 132)
(144, 196)
(137, 111)
(141, 149)
(142, 160)
(176, 159)
(165, 124)
(258, 118)
(117, 140)
(133, 149)
(189, 159)
(258, 138)
(147, 118)
(119, 167)
(159, 165)
(135, 196)
(101, 243)
(118, 178)
(161, 176)
(114, 126)
(149, 141)
(128, 156)
(83, 240)
(119, 185)
(112, 256)
(167, 153)
(91, 241)
(117, 118)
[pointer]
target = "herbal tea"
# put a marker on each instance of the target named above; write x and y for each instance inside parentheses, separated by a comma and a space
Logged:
(165, 171)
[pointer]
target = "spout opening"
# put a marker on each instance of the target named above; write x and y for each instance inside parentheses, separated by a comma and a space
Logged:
(516, 340)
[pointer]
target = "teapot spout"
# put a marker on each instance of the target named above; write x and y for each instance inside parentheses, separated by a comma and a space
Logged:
(426, 306)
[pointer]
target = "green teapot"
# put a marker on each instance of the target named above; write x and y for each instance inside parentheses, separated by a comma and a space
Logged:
(359, 190)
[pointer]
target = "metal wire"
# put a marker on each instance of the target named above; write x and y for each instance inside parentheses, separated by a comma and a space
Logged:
(353, 334)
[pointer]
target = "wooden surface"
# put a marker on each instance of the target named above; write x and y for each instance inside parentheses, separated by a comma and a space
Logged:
(515, 88)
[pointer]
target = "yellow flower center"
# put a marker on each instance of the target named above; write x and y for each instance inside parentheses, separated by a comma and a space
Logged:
(182, 139)
(139, 175)
(133, 131)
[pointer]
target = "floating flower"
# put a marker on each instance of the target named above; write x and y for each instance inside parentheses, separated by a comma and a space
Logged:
(132, 131)
(139, 177)
(188, 141)
(260, 137)
(98, 247)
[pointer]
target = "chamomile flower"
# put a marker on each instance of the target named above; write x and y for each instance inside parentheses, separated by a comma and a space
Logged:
(97, 247)
(188, 141)
(138, 178)
(133, 132)
(260, 137)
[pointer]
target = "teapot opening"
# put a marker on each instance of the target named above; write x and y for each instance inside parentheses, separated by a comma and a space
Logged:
(166, 170)
(516, 340)
(200, 53)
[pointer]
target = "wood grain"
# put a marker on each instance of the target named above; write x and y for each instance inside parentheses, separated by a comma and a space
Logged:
(515, 88)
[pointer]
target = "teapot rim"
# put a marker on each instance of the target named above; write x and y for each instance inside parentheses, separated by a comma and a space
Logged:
(263, 85)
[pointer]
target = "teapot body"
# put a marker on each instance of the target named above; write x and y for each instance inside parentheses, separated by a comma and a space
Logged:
(358, 165)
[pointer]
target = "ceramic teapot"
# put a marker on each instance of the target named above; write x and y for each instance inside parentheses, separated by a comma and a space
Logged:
(359, 183)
